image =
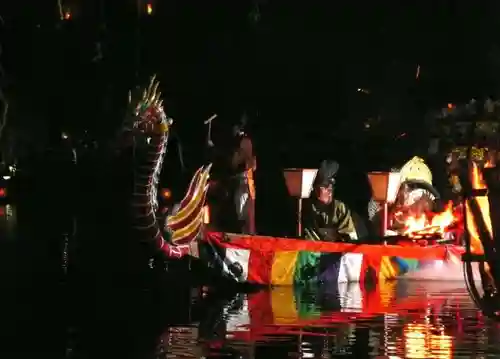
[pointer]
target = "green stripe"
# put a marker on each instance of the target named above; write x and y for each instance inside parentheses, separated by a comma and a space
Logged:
(307, 267)
(305, 302)
(307, 264)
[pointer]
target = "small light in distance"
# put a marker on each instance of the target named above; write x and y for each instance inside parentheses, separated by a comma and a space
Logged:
(67, 15)
(149, 9)
(3, 193)
(166, 193)
(6, 178)
(450, 106)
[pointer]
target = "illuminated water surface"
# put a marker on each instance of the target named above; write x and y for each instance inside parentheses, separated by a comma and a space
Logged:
(407, 319)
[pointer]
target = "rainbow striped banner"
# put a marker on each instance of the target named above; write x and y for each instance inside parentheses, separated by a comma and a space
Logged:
(278, 261)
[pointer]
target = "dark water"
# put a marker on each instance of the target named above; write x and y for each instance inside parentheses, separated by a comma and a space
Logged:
(128, 319)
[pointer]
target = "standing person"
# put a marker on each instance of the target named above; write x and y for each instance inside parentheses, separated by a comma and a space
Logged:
(243, 164)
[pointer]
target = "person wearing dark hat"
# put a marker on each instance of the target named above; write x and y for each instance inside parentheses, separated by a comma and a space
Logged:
(325, 217)
(244, 163)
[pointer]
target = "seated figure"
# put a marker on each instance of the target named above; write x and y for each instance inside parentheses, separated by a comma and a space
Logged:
(325, 217)
(416, 194)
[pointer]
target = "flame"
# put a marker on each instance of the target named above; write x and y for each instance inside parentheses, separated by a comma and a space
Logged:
(490, 163)
(491, 159)
(430, 223)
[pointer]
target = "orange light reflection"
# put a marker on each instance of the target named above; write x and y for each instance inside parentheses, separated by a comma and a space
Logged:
(423, 341)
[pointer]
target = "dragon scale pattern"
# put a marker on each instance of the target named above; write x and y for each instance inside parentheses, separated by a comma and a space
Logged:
(149, 127)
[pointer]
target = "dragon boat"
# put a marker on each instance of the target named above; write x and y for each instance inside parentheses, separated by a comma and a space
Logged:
(426, 247)
(423, 251)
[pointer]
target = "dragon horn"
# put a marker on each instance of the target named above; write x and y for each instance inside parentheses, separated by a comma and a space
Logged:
(155, 88)
(157, 97)
(152, 97)
(151, 85)
(160, 103)
(144, 95)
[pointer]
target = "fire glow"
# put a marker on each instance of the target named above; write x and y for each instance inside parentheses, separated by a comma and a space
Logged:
(451, 219)
(478, 183)
(431, 223)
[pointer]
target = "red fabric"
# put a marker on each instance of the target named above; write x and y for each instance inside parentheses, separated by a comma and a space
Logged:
(370, 267)
(273, 244)
(260, 265)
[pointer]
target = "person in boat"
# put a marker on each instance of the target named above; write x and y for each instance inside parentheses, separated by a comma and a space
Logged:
(243, 164)
(325, 217)
(416, 194)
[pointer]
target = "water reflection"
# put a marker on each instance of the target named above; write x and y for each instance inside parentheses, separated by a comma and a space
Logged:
(421, 320)
(426, 341)
(405, 319)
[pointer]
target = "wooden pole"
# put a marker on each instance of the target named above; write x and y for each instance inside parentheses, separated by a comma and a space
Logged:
(299, 218)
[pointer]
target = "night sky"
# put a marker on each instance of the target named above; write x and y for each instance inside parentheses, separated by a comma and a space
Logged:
(284, 63)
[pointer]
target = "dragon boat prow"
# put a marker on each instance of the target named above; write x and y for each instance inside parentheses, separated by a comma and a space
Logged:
(186, 223)
(148, 125)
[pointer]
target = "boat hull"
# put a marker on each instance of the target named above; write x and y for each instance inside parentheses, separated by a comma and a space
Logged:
(282, 261)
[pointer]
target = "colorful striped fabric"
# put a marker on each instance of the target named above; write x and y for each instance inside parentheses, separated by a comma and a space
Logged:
(268, 264)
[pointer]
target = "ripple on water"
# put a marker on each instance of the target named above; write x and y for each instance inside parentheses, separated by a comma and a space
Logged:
(404, 319)
(408, 319)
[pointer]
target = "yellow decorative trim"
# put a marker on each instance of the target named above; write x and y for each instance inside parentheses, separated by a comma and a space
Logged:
(197, 198)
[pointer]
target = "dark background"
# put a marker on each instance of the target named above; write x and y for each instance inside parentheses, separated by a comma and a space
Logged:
(296, 67)
(293, 63)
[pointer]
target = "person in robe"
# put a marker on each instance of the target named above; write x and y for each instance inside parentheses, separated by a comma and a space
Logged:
(416, 195)
(325, 217)
(243, 164)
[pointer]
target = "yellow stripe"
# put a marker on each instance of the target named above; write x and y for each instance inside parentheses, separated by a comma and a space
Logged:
(388, 270)
(191, 206)
(283, 270)
(283, 305)
(188, 229)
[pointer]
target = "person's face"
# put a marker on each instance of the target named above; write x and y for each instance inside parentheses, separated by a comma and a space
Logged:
(325, 194)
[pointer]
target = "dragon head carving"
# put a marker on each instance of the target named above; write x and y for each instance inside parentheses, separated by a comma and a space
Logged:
(145, 113)
(148, 125)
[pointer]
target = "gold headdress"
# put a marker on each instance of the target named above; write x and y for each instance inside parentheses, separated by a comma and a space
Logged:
(416, 170)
